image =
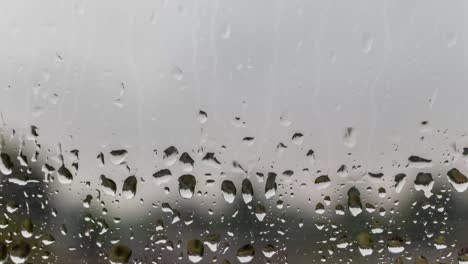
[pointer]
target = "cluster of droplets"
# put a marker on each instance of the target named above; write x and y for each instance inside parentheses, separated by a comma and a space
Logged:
(347, 195)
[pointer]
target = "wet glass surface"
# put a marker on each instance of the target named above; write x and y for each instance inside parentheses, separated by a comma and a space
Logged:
(233, 132)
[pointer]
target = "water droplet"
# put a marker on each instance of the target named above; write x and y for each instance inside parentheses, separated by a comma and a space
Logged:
(6, 165)
(354, 201)
(87, 201)
(245, 253)
(162, 176)
(187, 184)
(202, 117)
(440, 242)
(268, 251)
(418, 162)
(249, 141)
(365, 243)
(298, 138)
(64, 175)
(27, 228)
(270, 186)
(400, 180)
(187, 162)
(350, 137)
(322, 182)
(129, 187)
(12, 206)
(210, 160)
(212, 241)
(247, 191)
(109, 186)
(260, 212)
(20, 251)
(463, 256)
(424, 182)
(119, 253)
(229, 191)
(311, 156)
(47, 239)
(395, 245)
(170, 155)
(195, 250)
(118, 156)
(458, 180)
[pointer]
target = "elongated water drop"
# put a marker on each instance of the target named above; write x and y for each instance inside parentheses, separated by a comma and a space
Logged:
(129, 187)
(187, 184)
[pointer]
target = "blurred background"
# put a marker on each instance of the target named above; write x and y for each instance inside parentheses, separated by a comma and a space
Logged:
(297, 88)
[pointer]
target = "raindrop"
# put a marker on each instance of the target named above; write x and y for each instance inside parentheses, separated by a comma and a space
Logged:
(187, 162)
(365, 243)
(170, 155)
(210, 160)
(270, 186)
(20, 251)
(440, 242)
(195, 250)
(458, 180)
(245, 253)
(268, 251)
(118, 156)
(87, 201)
(64, 175)
(248, 141)
(298, 138)
(350, 137)
(129, 187)
(212, 241)
(395, 245)
(27, 228)
(119, 253)
(342, 171)
(400, 180)
(202, 117)
(463, 256)
(12, 206)
(162, 176)
(6, 165)
(260, 212)
(322, 182)
(375, 175)
(109, 186)
(354, 201)
(47, 239)
(229, 191)
(424, 182)
(418, 162)
(247, 191)
(187, 184)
